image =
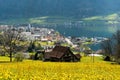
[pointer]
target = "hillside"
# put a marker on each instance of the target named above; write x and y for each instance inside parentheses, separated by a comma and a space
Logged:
(25, 10)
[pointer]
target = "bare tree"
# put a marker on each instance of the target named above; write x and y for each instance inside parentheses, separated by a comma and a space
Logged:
(112, 47)
(107, 48)
(9, 39)
(116, 38)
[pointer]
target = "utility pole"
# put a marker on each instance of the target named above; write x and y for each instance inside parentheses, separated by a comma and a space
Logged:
(93, 57)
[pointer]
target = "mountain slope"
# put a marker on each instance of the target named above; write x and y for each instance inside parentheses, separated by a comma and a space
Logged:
(15, 9)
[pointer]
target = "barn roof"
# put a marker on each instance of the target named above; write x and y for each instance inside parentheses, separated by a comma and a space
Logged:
(57, 52)
(61, 48)
(54, 54)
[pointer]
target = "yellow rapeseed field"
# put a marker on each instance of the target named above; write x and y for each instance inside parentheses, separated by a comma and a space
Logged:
(38, 70)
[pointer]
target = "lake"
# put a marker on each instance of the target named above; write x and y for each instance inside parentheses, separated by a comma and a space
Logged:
(88, 31)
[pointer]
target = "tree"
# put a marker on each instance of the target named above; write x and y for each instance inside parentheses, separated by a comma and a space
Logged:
(107, 47)
(34, 46)
(9, 39)
(116, 38)
(112, 47)
(31, 47)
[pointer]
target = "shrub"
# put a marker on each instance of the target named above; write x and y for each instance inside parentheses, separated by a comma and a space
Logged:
(19, 57)
(107, 58)
(118, 60)
(40, 56)
(32, 57)
(26, 55)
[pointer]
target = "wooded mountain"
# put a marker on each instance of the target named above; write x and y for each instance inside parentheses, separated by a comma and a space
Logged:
(74, 8)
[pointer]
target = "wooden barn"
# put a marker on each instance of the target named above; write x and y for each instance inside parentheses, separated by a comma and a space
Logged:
(61, 54)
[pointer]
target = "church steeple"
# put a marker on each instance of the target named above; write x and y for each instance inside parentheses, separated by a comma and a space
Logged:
(29, 27)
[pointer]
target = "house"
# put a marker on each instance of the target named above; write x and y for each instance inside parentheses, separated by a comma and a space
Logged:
(61, 54)
(26, 36)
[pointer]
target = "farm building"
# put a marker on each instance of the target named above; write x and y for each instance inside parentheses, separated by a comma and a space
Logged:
(61, 54)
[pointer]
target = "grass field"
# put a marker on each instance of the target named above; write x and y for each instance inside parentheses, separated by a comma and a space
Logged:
(38, 70)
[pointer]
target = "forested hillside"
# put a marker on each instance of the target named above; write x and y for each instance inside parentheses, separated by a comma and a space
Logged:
(10, 9)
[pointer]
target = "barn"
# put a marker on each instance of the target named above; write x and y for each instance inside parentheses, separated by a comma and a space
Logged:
(61, 54)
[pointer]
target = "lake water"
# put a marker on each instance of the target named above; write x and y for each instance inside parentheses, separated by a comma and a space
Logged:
(88, 31)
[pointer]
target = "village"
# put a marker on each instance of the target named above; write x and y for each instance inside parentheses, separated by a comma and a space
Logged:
(55, 44)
